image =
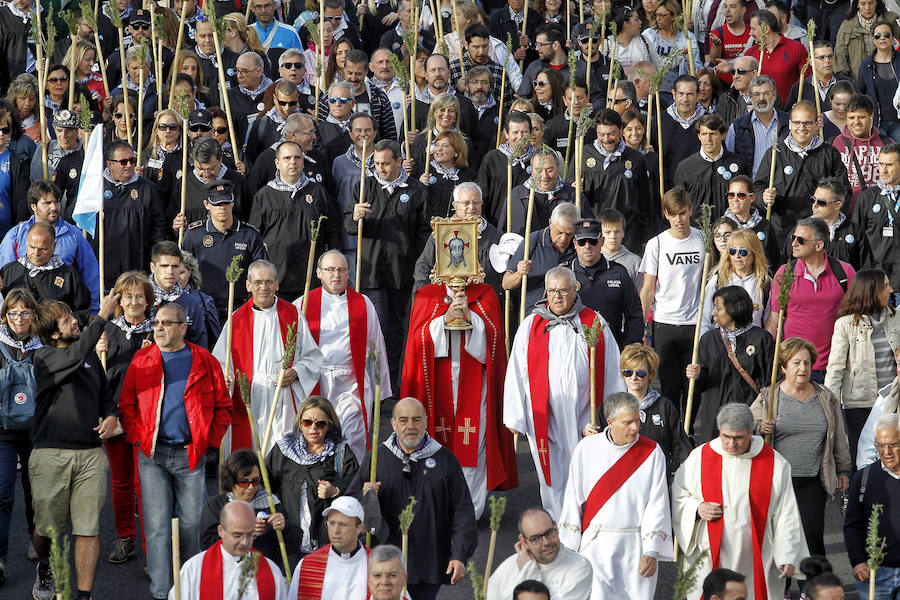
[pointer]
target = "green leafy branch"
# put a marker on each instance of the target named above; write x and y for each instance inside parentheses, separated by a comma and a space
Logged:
(592, 332)
(59, 563)
(477, 581)
(88, 14)
(69, 17)
(785, 283)
(315, 226)
(290, 346)
(249, 567)
(115, 15)
(407, 515)
(375, 359)
(85, 112)
(706, 226)
(687, 575)
(234, 270)
(874, 543)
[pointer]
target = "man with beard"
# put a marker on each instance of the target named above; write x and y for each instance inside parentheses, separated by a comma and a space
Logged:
(550, 44)
(477, 54)
(269, 128)
(557, 133)
(615, 176)
(478, 90)
(742, 211)
(539, 556)
(443, 535)
(292, 68)
(801, 160)
(679, 139)
(549, 191)
(705, 175)
(492, 172)
(437, 74)
(751, 134)
(284, 210)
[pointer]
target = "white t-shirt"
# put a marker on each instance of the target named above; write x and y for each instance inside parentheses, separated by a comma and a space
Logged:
(678, 268)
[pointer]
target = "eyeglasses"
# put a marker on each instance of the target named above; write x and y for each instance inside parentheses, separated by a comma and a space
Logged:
(661, 15)
(5, 130)
(738, 195)
(586, 241)
(823, 202)
(800, 240)
(119, 115)
(220, 130)
(723, 236)
(765, 94)
(19, 316)
(246, 71)
(57, 79)
(542, 44)
(199, 128)
(263, 282)
(884, 447)
(742, 252)
(826, 57)
(334, 19)
(803, 124)
(140, 26)
(333, 270)
(620, 100)
(309, 424)
(539, 84)
(165, 323)
(549, 534)
(245, 483)
(342, 100)
(641, 373)
(881, 36)
(168, 126)
(287, 102)
(559, 292)
(293, 65)
(131, 160)
(744, 71)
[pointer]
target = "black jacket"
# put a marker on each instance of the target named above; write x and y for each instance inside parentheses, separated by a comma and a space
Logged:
(14, 45)
(707, 181)
(492, 180)
(881, 489)
(543, 205)
(605, 288)
(871, 213)
(63, 284)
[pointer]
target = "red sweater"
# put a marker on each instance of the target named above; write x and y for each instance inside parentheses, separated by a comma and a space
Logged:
(782, 64)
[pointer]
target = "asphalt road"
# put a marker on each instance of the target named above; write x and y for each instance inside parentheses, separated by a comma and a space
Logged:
(129, 581)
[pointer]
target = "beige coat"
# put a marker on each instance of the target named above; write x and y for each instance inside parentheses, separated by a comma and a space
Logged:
(836, 453)
(850, 374)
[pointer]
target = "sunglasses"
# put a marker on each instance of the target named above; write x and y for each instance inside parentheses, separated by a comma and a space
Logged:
(740, 195)
(245, 483)
(800, 240)
(287, 102)
(5, 130)
(119, 115)
(220, 130)
(742, 252)
(539, 84)
(881, 36)
(342, 100)
(641, 373)
(584, 39)
(57, 79)
(587, 241)
(126, 161)
(140, 26)
(196, 128)
(744, 71)
(822, 202)
(309, 424)
(293, 65)
(168, 126)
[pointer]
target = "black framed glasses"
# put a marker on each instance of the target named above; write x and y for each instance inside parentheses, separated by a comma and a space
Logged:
(141, 26)
(881, 36)
(199, 128)
(822, 202)
(744, 71)
(168, 126)
(62, 79)
(310, 424)
(5, 130)
(165, 323)
(120, 115)
(287, 102)
(245, 483)
(126, 161)
(220, 130)
(586, 241)
(549, 534)
(293, 65)
(801, 241)
(742, 252)
(539, 84)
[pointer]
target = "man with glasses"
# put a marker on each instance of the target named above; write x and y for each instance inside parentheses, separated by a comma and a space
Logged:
(269, 128)
(744, 70)
(801, 159)
(847, 239)
(174, 407)
(706, 174)
(877, 210)
(823, 54)
(341, 105)
(343, 323)
(199, 124)
(248, 97)
(820, 282)
(478, 54)
(539, 556)
(876, 483)
(751, 134)
(216, 240)
(206, 157)
(260, 328)
(133, 215)
(625, 97)
(344, 27)
(742, 211)
(292, 67)
(557, 133)
(599, 63)
(550, 189)
(606, 286)
(550, 45)
(301, 129)
(137, 32)
(548, 382)
(859, 145)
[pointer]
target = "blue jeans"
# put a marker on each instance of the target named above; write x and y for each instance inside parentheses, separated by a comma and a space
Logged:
(170, 489)
(11, 453)
(887, 582)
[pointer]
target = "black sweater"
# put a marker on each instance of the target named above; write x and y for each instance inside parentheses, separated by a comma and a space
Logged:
(882, 489)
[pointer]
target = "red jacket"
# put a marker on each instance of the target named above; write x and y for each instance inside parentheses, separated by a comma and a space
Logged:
(206, 401)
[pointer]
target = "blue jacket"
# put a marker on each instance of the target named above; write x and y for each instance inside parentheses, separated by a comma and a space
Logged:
(744, 138)
(71, 247)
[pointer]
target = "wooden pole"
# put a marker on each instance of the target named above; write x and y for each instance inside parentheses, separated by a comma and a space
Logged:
(310, 260)
(770, 412)
(184, 156)
(649, 127)
(500, 109)
(490, 557)
(569, 133)
(124, 69)
(579, 152)
(507, 300)
(176, 558)
(772, 176)
(42, 112)
(359, 224)
(414, 25)
(223, 92)
(459, 35)
(524, 29)
(593, 370)
(815, 89)
(659, 151)
(140, 109)
(609, 82)
(428, 150)
(101, 63)
(525, 256)
(320, 56)
(178, 43)
(376, 424)
(696, 347)
(72, 68)
(271, 421)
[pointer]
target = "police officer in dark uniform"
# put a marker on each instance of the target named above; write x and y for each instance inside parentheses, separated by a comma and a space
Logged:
(605, 285)
(216, 240)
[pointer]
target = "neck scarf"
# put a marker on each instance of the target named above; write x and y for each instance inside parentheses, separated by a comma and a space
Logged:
(570, 319)
(262, 87)
(294, 447)
(26, 17)
(647, 402)
(135, 87)
(752, 222)
(282, 186)
(452, 173)
(699, 111)
(428, 447)
(390, 186)
(161, 296)
(51, 104)
(107, 175)
(489, 103)
(8, 338)
(222, 170)
(529, 183)
(353, 157)
(210, 57)
(55, 262)
(610, 157)
(381, 85)
(803, 152)
(866, 24)
(888, 190)
(427, 95)
(517, 17)
(833, 228)
(342, 124)
(731, 336)
(129, 329)
(523, 161)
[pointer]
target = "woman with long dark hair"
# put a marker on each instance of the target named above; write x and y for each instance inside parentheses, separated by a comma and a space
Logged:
(549, 87)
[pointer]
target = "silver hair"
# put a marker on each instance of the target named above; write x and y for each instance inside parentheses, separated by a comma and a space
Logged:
(736, 416)
(465, 187)
(761, 80)
(288, 54)
(385, 553)
(260, 263)
(132, 55)
(562, 272)
(255, 58)
(330, 252)
(556, 156)
(294, 123)
(344, 85)
(535, 119)
(889, 421)
(565, 211)
(618, 401)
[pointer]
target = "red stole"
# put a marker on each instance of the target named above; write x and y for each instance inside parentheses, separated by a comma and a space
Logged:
(211, 575)
(615, 476)
(242, 359)
(312, 573)
(359, 335)
(761, 469)
(539, 380)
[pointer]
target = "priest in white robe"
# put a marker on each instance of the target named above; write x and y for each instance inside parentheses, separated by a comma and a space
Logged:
(216, 573)
(547, 390)
(727, 489)
(344, 323)
(260, 331)
(616, 507)
(540, 556)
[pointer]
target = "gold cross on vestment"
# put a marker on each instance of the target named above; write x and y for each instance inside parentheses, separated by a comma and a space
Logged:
(442, 430)
(543, 451)
(466, 430)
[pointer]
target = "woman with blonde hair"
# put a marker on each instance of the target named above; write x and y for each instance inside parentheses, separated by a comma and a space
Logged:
(85, 56)
(22, 95)
(443, 115)
(238, 39)
(189, 64)
(665, 38)
(165, 140)
(744, 264)
(449, 168)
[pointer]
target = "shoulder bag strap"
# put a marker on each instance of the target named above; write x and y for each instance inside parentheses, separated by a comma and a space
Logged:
(737, 365)
(849, 145)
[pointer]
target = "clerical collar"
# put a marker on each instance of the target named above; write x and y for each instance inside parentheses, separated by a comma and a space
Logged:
(347, 555)
(261, 309)
(329, 294)
(707, 158)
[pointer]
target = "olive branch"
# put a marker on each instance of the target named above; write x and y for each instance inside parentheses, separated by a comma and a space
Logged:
(234, 270)
(376, 362)
(687, 575)
(874, 544)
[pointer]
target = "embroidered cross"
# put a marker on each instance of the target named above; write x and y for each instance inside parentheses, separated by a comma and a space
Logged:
(442, 430)
(466, 430)
(543, 451)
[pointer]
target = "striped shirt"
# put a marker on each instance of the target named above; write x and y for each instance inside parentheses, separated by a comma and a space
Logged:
(885, 366)
(800, 434)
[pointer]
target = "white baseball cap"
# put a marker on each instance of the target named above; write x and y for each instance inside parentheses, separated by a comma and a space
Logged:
(347, 506)
(500, 253)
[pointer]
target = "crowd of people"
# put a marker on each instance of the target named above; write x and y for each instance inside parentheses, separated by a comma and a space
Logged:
(684, 214)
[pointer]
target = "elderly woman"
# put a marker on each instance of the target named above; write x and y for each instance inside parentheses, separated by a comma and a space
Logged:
(241, 478)
(22, 94)
(854, 38)
(17, 343)
(660, 420)
(734, 360)
(56, 88)
(865, 339)
(449, 167)
(809, 433)
(311, 467)
(132, 82)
